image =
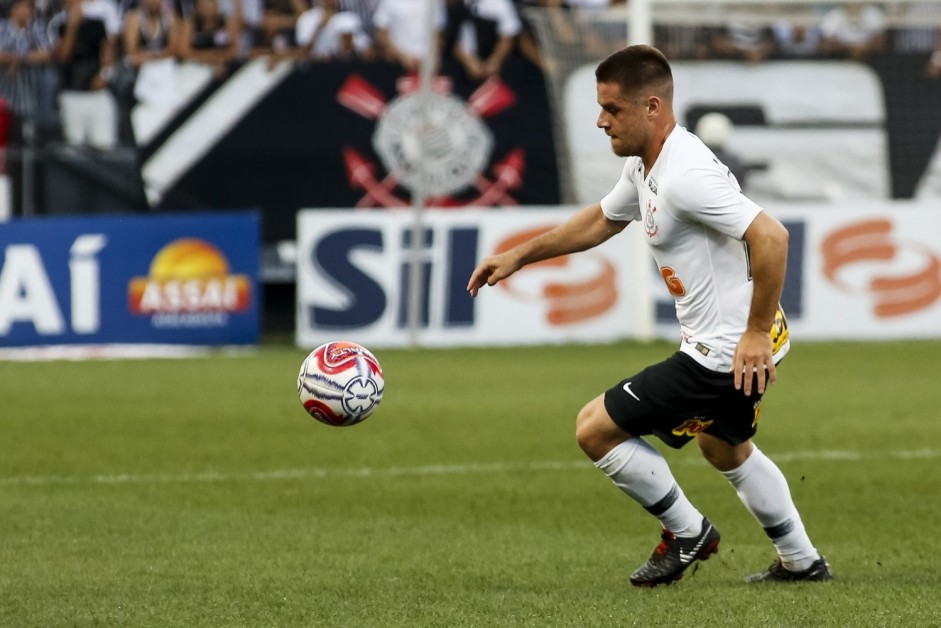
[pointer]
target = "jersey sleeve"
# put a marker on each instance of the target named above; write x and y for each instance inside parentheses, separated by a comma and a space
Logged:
(711, 197)
(622, 203)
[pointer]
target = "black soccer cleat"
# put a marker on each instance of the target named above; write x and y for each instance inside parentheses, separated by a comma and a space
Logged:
(819, 571)
(674, 554)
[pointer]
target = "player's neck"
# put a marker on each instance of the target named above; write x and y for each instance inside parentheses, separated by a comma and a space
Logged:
(658, 139)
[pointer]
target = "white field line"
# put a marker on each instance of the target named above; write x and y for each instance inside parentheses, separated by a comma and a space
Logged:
(424, 470)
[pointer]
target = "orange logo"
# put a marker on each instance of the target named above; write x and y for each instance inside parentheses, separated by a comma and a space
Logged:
(189, 275)
(870, 241)
(572, 302)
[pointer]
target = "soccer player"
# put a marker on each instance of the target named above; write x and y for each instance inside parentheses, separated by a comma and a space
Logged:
(723, 260)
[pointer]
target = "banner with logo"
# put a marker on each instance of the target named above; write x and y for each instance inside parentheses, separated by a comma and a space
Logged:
(862, 271)
(855, 271)
(172, 279)
(353, 281)
(352, 135)
(869, 270)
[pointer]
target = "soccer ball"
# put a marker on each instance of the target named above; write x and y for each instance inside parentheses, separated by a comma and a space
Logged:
(340, 383)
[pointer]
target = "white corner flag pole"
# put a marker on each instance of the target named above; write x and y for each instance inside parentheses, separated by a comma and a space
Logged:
(420, 193)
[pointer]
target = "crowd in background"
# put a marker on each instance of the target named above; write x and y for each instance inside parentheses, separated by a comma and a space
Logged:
(72, 64)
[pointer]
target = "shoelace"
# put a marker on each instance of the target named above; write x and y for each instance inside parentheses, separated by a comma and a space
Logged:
(665, 539)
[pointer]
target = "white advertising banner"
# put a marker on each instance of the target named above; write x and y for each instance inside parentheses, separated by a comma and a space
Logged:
(353, 274)
(869, 271)
(861, 271)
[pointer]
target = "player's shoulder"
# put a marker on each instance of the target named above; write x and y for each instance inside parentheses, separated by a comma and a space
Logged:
(688, 153)
(689, 160)
(633, 170)
(632, 164)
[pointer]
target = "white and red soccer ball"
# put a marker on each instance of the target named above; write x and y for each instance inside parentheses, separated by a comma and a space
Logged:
(340, 383)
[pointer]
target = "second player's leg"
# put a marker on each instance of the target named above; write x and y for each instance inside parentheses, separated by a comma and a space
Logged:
(764, 491)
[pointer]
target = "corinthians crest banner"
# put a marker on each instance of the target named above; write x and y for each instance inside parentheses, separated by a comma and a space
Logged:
(352, 135)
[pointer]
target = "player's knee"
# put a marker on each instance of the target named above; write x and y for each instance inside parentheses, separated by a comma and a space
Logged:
(589, 429)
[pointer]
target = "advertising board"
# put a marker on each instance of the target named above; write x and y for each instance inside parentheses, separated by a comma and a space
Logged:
(167, 279)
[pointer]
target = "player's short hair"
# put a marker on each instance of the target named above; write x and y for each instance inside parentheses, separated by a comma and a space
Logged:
(635, 68)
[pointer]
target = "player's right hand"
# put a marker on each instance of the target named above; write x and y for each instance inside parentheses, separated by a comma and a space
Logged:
(492, 270)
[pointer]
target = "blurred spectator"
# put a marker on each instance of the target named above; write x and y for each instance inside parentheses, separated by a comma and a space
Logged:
(26, 81)
(683, 41)
(364, 9)
(247, 14)
(151, 32)
(278, 21)
(919, 32)
(574, 33)
(796, 40)
(742, 40)
(23, 38)
(915, 26)
(44, 10)
(210, 37)
(486, 37)
(714, 129)
(526, 41)
(855, 30)
(85, 53)
(151, 45)
(400, 31)
(323, 33)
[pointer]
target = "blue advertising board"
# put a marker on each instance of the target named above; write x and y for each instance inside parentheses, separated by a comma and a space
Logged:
(167, 279)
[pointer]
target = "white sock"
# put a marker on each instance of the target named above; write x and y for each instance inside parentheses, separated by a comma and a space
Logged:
(763, 489)
(641, 472)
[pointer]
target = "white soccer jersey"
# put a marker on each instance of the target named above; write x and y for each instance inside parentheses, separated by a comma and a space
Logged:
(695, 214)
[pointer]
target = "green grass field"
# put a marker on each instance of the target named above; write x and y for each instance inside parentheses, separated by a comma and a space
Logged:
(196, 492)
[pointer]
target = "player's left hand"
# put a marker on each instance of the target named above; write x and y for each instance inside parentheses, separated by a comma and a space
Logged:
(753, 355)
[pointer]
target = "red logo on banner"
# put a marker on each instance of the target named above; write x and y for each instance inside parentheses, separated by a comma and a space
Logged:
(916, 286)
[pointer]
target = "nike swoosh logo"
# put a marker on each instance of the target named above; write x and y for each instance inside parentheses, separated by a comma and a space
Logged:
(627, 389)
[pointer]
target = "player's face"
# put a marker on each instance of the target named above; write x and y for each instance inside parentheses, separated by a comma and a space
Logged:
(623, 119)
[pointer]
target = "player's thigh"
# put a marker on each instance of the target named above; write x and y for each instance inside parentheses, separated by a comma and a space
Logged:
(732, 418)
(660, 399)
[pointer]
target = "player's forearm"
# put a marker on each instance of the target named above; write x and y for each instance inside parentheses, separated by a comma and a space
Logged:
(584, 230)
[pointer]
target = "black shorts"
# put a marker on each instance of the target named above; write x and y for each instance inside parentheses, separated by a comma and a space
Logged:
(678, 398)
